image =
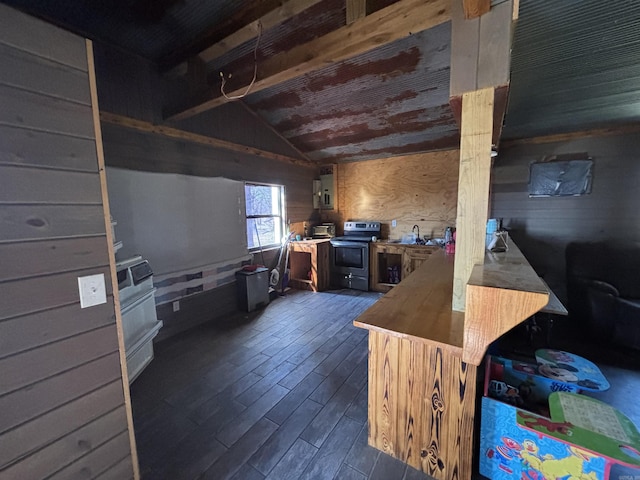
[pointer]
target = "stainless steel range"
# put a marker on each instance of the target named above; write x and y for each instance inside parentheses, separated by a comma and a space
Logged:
(350, 255)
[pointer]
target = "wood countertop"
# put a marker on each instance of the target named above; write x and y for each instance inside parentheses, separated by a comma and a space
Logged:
(419, 307)
(501, 293)
(313, 241)
(382, 243)
(509, 270)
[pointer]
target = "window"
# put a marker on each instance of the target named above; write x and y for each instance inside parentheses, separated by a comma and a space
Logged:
(265, 218)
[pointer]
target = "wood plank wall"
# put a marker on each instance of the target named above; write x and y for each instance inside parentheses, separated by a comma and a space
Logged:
(542, 227)
(61, 393)
(416, 189)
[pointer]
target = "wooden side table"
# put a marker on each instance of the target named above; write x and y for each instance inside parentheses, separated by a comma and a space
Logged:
(309, 265)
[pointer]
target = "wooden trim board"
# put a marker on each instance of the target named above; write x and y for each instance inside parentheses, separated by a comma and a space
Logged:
(112, 261)
(171, 132)
(571, 136)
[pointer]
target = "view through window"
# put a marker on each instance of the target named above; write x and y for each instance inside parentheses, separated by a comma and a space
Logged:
(265, 219)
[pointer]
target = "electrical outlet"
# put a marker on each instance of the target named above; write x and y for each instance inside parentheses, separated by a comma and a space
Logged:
(176, 306)
(394, 223)
(92, 290)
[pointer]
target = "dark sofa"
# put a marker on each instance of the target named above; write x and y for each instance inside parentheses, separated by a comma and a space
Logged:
(603, 290)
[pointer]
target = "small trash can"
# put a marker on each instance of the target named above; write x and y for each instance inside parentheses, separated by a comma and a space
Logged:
(253, 289)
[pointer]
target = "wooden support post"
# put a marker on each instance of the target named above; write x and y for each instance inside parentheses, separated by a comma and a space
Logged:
(481, 57)
(473, 188)
(475, 8)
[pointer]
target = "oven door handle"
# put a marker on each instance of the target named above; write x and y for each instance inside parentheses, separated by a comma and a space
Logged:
(343, 243)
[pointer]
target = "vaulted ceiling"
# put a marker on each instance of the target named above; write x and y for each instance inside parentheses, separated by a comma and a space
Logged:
(574, 66)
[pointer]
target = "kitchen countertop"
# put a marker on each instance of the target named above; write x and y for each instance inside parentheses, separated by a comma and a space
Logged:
(419, 307)
(407, 245)
(505, 289)
(311, 241)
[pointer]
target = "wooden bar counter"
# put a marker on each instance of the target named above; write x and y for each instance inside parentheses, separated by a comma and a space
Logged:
(423, 357)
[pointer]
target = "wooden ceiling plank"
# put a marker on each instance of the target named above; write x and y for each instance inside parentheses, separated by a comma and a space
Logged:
(142, 126)
(356, 9)
(394, 22)
(475, 8)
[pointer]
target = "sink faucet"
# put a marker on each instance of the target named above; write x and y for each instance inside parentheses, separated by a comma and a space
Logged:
(413, 230)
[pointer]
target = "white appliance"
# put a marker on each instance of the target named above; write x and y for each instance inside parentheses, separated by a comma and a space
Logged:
(140, 324)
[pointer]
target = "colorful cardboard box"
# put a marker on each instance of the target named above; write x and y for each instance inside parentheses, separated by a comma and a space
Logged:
(528, 385)
(581, 439)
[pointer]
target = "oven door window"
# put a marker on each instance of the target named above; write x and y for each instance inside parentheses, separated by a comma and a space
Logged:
(351, 257)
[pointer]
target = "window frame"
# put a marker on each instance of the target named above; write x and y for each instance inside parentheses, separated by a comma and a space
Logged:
(281, 204)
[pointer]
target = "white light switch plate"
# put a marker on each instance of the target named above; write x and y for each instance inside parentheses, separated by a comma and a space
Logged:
(92, 290)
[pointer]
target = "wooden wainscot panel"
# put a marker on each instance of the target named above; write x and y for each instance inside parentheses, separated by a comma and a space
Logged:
(421, 405)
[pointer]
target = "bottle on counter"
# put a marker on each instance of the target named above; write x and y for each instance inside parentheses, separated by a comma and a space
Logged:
(450, 241)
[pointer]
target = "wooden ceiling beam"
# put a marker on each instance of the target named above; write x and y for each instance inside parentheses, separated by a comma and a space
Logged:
(284, 12)
(281, 12)
(217, 32)
(142, 126)
(385, 26)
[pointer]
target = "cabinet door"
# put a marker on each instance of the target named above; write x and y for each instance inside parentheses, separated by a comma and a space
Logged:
(413, 259)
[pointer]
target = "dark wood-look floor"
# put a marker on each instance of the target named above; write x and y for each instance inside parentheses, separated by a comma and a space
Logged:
(278, 394)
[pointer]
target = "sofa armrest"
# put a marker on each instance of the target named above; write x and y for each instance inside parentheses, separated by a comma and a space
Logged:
(603, 287)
